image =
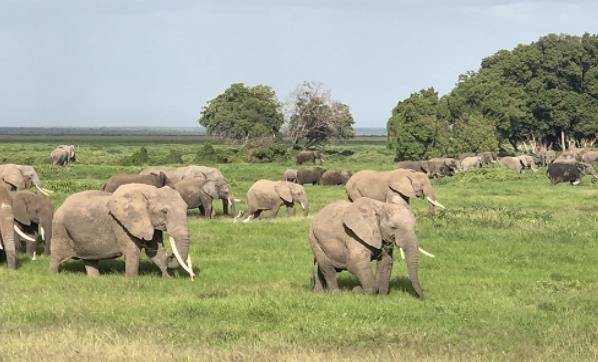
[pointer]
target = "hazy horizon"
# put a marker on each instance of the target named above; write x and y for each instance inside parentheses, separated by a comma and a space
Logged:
(148, 63)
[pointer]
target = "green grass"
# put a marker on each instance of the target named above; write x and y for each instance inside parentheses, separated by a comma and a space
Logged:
(515, 277)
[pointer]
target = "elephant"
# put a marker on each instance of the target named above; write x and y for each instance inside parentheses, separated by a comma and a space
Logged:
(309, 156)
(420, 166)
(572, 172)
(97, 225)
(63, 155)
(310, 175)
(271, 195)
(335, 177)
(512, 163)
(290, 175)
(33, 213)
(440, 167)
(385, 185)
(464, 155)
(8, 227)
(570, 157)
(590, 157)
(116, 181)
(20, 177)
(471, 162)
(350, 235)
(544, 158)
(199, 193)
(527, 162)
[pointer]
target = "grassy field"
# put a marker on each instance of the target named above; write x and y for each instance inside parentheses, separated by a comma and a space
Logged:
(515, 277)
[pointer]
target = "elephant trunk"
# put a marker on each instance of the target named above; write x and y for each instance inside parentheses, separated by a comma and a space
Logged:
(45, 231)
(179, 242)
(430, 196)
(305, 205)
(411, 250)
(233, 206)
(7, 234)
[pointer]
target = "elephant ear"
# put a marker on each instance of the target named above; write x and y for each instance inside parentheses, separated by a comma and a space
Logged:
(402, 184)
(19, 210)
(209, 187)
(361, 218)
(131, 210)
(15, 180)
(284, 191)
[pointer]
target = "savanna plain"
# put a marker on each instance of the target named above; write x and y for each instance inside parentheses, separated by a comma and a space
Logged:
(515, 275)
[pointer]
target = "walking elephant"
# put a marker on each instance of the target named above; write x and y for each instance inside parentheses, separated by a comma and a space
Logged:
(63, 155)
(33, 213)
(395, 186)
(471, 162)
(335, 177)
(96, 225)
(20, 177)
(8, 228)
(512, 163)
(199, 193)
(116, 181)
(527, 162)
(349, 236)
(310, 175)
(571, 172)
(309, 156)
(290, 175)
(271, 195)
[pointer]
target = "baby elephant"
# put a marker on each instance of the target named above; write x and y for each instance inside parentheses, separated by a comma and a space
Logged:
(349, 236)
(199, 193)
(116, 181)
(271, 195)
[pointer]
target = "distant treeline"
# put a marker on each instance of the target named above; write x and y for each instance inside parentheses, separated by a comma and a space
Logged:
(544, 93)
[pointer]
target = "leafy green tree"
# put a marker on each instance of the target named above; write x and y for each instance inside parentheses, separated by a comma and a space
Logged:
(473, 133)
(243, 113)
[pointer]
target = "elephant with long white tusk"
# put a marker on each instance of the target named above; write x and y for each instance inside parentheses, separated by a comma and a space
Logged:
(33, 213)
(20, 177)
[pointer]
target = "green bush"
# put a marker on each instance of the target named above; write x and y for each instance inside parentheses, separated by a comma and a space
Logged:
(268, 153)
(209, 154)
(138, 158)
(173, 156)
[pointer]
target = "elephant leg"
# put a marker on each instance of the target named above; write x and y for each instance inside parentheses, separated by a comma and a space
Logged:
(383, 272)
(55, 262)
(318, 280)
(208, 211)
(92, 268)
(224, 206)
(359, 265)
(132, 260)
(30, 249)
(157, 254)
(290, 210)
(275, 210)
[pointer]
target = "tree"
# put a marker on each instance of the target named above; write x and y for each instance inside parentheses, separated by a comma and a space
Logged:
(313, 118)
(243, 113)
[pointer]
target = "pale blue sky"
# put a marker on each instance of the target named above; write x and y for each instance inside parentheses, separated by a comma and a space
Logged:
(156, 63)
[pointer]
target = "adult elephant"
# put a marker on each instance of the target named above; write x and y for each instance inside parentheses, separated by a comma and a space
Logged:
(511, 163)
(33, 213)
(590, 157)
(420, 166)
(96, 225)
(442, 166)
(8, 229)
(200, 193)
(395, 186)
(527, 162)
(571, 172)
(116, 181)
(310, 175)
(271, 195)
(335, 177)
(20, 177)
(471, 162)
(63, 155)
(349, 236)
(309, 156)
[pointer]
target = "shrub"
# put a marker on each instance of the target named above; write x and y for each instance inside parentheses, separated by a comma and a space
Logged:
(269, 153)
(208, 153)
(138, 158)
(173, 156)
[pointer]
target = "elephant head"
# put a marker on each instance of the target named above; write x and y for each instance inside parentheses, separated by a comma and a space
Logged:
(30, 208)
(409, 183)
(291, 192)
(20, 177)
(377, 223)
(143, 209)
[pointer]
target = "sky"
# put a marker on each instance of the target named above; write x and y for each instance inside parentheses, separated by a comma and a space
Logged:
(156, 63)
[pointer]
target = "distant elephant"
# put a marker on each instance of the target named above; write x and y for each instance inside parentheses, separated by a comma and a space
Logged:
(395, 186)
(488, 158)
(563, 172)
(463, 155)
(512, 163)
(20, 177)
(349, 236)
(568, 156)
(440, 167)
(309, 156)
(527, 162)
(199, 193)
(544, 158)
(116, 181)
(420, 166)
(471, 162)
(290, 175)
(97, 225)
(310, 175)
(33, 213)
(335, 177)
(63, 155)
(590, 157)
(271, 195)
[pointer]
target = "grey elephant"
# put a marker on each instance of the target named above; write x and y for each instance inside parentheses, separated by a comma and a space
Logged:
(33, 213)
(511, 163)
(200, 193)
(20, 177)
(309, 156)
(335, 177)
(420, 166)
(385, 185)
(116, 181)
(527, 162)
(471, 162)
(8, 227)
(290, 175)
(442, 166)
(63, 155)
(272, 195)
(571, 172)
(488, 158)
(310, 175)
(349, 236)
(97, 225)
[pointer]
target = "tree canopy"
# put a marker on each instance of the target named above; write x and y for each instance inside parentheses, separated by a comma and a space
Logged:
(243, 113)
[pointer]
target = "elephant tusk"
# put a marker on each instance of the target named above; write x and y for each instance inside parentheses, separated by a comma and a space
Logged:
(435, 203)
(48, 191)
(402, 253)
(41, 190)
(190, 265)
(249, 218)
(425, 252)
(177, 255)
(237, 200)
(22, 234)
(34, 257)
(42, 233)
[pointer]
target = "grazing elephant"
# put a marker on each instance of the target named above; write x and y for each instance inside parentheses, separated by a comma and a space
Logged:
(440, 167)
(309, 156)
(96, 225)
(335, 177)
(463, 155)
(271, 195)
(310, 175)
(349, 236)
(572, 172)
(116, 181)
(386, 185)
(33, 213)
(512, 163)
(20, 177)
(420, 166)
(63, 155)
(471, 162)
(527, 162)
(199, 193)
(290, 175)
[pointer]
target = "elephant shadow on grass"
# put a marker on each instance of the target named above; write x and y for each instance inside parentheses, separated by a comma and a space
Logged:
(111, 266)
(346, 282)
